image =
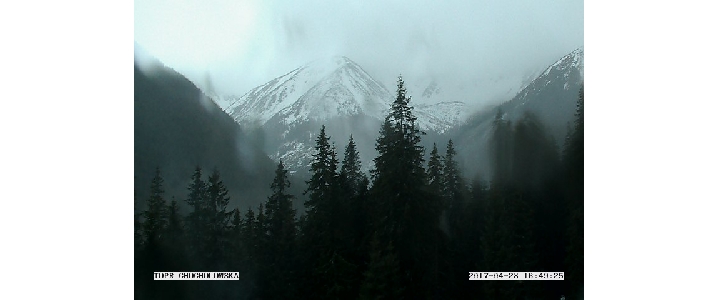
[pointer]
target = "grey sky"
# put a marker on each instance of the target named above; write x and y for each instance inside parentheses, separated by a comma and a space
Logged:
(244, 43)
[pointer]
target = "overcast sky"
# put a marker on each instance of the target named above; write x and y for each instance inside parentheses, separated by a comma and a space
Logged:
(241, 44)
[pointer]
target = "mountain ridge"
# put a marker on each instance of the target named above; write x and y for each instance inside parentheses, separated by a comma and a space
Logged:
(552, 97)
(302, 94)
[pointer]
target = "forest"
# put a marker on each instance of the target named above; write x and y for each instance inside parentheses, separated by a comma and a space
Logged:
(410, 229)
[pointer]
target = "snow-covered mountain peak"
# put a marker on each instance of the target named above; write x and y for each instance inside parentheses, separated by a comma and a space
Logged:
(321, 90)
(573, 60)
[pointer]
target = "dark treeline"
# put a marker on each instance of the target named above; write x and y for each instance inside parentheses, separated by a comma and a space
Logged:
(411, 230)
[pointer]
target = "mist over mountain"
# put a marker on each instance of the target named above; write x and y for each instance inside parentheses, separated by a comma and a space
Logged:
(552, 97)
(176, 128)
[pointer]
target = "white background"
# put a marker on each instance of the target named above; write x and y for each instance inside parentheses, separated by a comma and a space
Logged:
(66, 126)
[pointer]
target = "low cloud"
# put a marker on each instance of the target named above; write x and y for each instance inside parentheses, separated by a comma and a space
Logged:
(244, 44)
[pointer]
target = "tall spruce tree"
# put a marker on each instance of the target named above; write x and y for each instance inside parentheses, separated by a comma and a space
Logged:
(324, 233)
(453, 187)
(350, 174)
(454, 194)
(398, 174)
(406, 212)
(435, 172)
(354, 185)
(280, 214)
(161, 247)
(322, 187)
(280, 250)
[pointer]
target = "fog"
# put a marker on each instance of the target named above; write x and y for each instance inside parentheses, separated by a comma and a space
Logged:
(482, 47)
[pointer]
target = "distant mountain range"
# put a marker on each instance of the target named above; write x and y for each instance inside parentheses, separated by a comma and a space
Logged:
(326, 89)
(177, 127)
(336, 92)
(287, 112)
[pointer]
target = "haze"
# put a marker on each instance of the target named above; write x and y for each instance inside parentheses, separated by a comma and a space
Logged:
(237, 45)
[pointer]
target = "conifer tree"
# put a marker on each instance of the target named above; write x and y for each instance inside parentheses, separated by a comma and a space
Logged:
(248, 234)
(197, 191)
(238, 247)
(322, 187)
(354, 185)
(327, 231)
(435, 173)
(351, 175)
(404, 209)
(399, 173)
(279, 258)
(280, 215)
(236, 220)
(453, 187)
(175, 228)
(174, 243)
(197, 219)
(155, 217)
(217, 221)
(161, 249)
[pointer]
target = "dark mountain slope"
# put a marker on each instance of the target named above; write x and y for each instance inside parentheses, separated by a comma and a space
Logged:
(177, 128)
(551, 97)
